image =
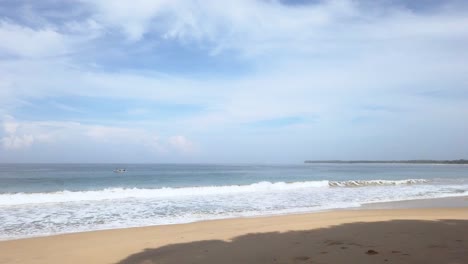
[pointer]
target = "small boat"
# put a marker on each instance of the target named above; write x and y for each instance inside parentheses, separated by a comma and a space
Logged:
(120, 170)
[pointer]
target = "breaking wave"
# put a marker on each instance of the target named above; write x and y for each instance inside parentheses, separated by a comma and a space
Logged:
(167, 192)
(361, 183)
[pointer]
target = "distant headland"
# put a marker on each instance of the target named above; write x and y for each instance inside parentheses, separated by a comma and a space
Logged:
(459, 161)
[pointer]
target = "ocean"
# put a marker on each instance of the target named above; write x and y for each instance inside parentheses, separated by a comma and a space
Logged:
(46, 199)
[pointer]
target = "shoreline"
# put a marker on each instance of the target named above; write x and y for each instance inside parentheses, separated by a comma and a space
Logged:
(424, 203)
(124, 245)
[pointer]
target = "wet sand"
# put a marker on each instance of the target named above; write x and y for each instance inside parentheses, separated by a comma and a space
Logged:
(449, 202)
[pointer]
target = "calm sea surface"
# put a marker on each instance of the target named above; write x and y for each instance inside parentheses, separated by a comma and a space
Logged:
(44, 199)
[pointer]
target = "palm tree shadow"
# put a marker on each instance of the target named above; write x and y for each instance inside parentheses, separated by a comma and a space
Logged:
(397, 241)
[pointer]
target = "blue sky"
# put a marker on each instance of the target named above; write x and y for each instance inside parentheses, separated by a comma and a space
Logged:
(232, 81)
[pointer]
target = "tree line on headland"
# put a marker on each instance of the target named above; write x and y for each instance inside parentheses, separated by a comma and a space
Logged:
(459, 161)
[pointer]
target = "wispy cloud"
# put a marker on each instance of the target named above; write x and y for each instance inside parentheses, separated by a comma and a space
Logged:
(155, 74)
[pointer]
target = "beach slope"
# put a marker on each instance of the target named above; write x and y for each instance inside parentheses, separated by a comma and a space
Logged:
(354, 236)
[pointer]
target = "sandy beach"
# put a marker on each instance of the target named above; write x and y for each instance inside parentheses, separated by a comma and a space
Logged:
(426, 235)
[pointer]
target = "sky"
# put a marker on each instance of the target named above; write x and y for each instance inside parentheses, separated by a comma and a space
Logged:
(245, 81)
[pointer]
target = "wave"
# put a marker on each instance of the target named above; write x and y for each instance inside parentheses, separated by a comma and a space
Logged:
(361, 183)
(168, 192)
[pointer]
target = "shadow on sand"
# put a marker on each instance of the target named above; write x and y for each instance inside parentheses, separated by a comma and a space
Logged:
(398, 241)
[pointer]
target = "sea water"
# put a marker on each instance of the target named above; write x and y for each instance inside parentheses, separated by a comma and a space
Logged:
(46, 199)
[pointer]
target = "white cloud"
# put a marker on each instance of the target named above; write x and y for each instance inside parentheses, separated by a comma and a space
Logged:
(23, 134)
(329, 45)
(228, 24)
(17, 142)
(132, 17)
(323, 60)
(262, 27)
(20, 134)
(26, 42)
(13, 139)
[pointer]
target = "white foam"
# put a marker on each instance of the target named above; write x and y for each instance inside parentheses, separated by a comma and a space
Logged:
(360, 183)
(66, 212)
(125, 193)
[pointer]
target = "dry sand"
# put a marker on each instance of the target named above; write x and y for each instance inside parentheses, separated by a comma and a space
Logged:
(355, 236)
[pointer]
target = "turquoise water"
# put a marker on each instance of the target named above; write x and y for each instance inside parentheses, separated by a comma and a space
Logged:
(46, 199)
